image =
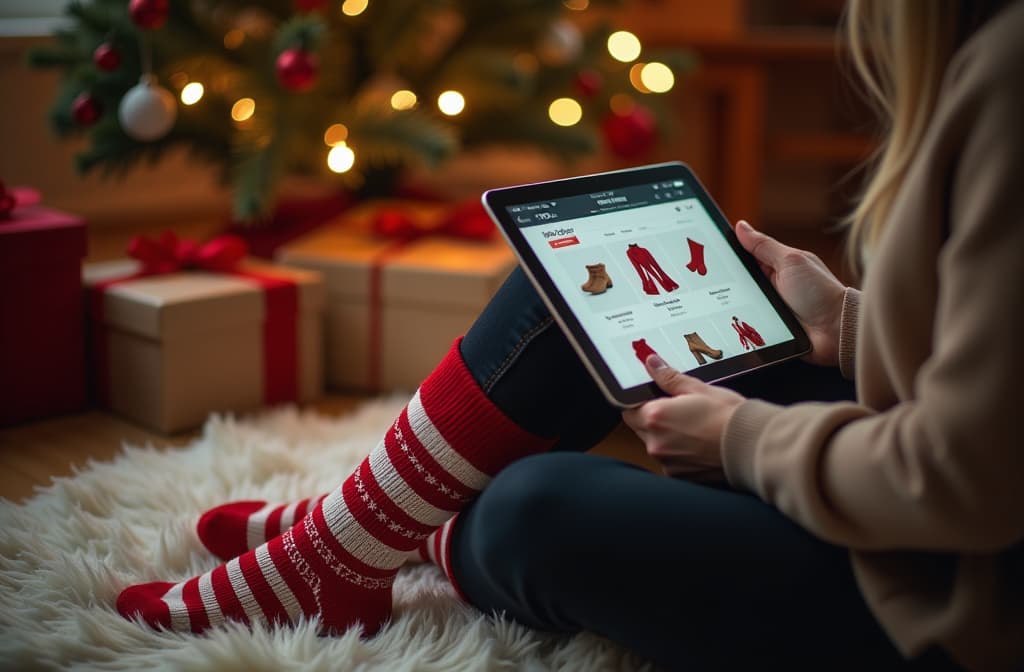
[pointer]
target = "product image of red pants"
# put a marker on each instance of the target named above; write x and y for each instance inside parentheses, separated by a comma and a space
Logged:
(649, 270)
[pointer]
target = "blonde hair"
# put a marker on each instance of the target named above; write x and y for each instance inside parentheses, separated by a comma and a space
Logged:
(900, 50)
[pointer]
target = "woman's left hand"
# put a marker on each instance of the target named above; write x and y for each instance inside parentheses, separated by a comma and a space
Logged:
(684, 432)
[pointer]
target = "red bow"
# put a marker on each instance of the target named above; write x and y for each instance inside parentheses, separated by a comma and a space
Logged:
(468, 220)
(18, 196)
(168, 254)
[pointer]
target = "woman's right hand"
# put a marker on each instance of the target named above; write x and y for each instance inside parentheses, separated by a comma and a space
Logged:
(811, 290)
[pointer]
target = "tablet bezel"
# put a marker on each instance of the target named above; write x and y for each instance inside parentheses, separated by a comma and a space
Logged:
(497, 201)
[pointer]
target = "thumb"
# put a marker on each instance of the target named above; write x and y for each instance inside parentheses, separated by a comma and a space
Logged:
(765, 249)
(668, 379)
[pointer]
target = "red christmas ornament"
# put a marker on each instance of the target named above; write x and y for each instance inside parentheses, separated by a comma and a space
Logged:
(86, 109)
(306, 6)
(297, 69)
(106, 57)
(589, 82)
(632, 134)
(148, 14)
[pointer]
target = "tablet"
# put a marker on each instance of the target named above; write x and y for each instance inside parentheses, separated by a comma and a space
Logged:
(642, 261)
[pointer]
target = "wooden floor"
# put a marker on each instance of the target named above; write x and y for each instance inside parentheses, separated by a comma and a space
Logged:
(32, 454)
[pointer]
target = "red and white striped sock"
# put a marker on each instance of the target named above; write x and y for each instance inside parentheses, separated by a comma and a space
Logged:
(231, 529)
(339, 561)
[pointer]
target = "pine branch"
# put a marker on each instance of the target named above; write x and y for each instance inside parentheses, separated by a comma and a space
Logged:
(400, 137)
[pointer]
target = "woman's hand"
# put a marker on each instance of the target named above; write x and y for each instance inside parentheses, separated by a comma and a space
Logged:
(684, 431)
(806, 285)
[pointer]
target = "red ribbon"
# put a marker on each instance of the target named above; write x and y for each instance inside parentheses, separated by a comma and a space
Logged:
(13, 198)
(224, 254)
(466, 221)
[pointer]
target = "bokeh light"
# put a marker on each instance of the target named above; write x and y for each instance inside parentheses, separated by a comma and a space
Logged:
(624, 46)
(565, 111)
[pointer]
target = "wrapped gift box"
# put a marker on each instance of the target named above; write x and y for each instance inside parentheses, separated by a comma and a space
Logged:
(41, 342)
(395, 306)
(170, 349)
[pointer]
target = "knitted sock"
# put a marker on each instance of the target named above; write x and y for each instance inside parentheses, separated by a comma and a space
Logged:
(338, 563)
(231, 529)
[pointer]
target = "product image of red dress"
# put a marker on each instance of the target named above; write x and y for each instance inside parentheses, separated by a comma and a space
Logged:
(649, 270)
(642, 350)
(748, 335)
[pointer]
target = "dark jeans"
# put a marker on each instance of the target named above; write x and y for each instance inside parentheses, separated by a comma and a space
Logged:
(691, 576)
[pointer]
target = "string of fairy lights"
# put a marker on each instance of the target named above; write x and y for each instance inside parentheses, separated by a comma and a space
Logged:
(623, 46)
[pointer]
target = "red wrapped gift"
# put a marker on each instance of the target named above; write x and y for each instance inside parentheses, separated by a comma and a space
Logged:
(185, 329)
(41, 342)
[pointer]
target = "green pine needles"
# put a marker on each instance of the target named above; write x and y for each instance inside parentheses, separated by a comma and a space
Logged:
(284, 81)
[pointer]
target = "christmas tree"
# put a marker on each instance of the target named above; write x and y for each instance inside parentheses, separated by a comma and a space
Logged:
(349, 91)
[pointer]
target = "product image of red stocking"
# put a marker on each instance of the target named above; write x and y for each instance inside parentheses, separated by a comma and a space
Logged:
(696, 264)
(642, 350)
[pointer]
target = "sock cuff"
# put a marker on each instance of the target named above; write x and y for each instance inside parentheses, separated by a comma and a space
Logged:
(469, 421)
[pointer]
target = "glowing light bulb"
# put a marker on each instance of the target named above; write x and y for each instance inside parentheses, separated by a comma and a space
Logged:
(403, 100)
(565, 111)
(657, 77)
(624, 46)
(576, 5)
(353, 7)
(341, 158)
(636, 80)
(192, 92)
(335, 134)
(451, 103)
(243, 109)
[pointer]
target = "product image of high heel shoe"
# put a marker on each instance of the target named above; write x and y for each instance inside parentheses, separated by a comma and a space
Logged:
(598, 281)
(699, 348)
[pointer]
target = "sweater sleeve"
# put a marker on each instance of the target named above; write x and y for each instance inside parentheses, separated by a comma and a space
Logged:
(848, 332)
(942, 469)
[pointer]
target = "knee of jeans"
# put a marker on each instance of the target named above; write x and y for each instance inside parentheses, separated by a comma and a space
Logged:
(523, 514)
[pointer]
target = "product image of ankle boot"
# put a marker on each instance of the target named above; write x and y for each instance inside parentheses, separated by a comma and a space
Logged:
(642, 350)
(598, 281)
(696, 264)
(699, 348)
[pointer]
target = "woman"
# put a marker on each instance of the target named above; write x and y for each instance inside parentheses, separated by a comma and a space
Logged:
(855, 534)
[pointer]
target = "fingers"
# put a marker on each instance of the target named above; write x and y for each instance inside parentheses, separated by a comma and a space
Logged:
(768, 251)
(669, 379)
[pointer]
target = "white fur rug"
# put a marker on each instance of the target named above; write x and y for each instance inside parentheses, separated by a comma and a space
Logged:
(66, 553)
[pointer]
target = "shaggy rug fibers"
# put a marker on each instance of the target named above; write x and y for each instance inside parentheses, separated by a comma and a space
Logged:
(67, 552)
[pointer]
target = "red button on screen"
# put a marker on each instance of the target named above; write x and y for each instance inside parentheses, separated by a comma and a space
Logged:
(564, 242)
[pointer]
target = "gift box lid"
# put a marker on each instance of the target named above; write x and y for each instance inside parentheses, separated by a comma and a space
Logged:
(435, 270)
(35, 235)
(176, 305)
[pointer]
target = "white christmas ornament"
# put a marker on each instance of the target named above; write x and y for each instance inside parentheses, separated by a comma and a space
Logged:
(147, 111)
(561, 43)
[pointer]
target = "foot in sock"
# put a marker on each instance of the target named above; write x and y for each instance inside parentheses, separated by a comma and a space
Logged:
(231, 529)
(339, 561)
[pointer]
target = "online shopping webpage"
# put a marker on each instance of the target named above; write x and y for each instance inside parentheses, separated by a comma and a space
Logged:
(646, 270)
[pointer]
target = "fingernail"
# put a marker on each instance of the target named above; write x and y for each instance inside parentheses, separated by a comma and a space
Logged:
(744, 225)
(656, 362)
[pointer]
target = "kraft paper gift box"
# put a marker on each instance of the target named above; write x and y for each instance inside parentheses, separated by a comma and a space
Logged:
(42, 361)
(394, 307)
(170, 349)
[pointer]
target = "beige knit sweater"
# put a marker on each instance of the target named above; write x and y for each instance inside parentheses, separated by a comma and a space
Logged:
(923, 479)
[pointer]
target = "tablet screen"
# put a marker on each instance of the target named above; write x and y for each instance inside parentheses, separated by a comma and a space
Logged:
(647, 268)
